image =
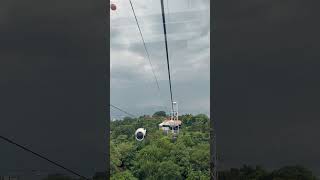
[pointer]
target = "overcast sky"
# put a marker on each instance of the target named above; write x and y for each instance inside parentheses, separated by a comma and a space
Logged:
(133, 85)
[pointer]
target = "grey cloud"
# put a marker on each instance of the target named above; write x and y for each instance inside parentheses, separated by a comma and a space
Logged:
(188, 47)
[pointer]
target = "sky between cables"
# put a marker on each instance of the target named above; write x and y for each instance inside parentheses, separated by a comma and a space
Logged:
(132, 82)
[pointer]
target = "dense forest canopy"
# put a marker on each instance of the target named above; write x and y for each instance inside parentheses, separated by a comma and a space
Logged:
(258, 173)
(158, 156)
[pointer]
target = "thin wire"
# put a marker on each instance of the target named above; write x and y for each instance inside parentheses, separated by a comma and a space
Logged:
(167, 26)
(144, 45)
(150, 24)
(166, 43)
(168, 22)
(43, 157)
(122, 110)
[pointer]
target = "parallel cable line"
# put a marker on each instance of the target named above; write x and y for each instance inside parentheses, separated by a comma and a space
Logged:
(166, 44)
(144, 45)
(123, 110)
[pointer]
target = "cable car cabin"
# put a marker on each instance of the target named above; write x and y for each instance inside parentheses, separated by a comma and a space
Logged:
(170, 125)
(113, 7)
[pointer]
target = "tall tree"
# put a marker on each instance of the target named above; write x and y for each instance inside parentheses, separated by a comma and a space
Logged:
(160, 114)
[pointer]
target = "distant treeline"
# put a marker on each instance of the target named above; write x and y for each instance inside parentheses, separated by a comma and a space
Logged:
(258, 173)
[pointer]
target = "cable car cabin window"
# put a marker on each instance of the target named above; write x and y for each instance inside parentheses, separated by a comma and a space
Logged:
(139, 135)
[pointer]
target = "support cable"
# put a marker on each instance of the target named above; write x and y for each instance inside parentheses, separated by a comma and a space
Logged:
(123, 111)
(167, 55)
(144, 45)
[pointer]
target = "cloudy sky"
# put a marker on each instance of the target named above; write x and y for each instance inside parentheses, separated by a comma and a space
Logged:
(133, 85)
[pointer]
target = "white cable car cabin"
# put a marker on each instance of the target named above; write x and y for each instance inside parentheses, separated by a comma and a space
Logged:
(173, 123)
(169, 124)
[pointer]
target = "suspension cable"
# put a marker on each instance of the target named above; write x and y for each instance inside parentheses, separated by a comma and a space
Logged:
(123, 111)
(166, 44)
(145, 47)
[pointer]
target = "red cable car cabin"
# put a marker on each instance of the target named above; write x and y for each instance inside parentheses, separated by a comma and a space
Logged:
(113, 7)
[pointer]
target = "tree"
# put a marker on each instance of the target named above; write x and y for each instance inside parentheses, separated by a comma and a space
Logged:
(168, 170)
(187, 119)
(258, 173)
(125, 175)
(200, 157)
(198, 175)
(293, 172)
(145, 169)
(127, 152)
(180, 154)
(160, 114)
(114, 158)
(157, 157)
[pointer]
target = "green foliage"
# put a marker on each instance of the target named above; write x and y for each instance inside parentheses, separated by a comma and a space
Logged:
(198, 175)
(200, 156)
(258, 173)
(293, 172)
(160, 114)
(158, 157)
(115, 161)
(125, 175)
(168, 170)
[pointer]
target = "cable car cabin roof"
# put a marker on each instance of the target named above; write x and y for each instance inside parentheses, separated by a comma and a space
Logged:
(170, 123)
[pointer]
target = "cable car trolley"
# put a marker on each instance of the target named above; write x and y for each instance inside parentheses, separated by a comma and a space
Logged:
(172, 124)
